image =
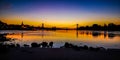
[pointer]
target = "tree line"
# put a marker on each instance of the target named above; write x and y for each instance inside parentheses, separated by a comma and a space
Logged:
(109, 27)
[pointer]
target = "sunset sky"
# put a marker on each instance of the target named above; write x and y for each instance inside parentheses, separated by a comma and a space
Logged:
(60, 13)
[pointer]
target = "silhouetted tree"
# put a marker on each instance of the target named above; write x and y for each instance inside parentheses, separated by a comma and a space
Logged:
(44, 44)
(109, 27)
(51, 44)
(35, 45)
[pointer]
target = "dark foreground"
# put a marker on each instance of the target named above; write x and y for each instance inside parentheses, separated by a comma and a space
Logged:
(58, 54)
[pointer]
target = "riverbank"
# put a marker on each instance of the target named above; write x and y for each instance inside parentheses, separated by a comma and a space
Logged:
(59, 54)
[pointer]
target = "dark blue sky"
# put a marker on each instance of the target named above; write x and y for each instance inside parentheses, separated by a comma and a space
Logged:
(105, 6)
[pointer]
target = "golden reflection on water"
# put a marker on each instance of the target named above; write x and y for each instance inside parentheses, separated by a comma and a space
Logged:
(73, 36)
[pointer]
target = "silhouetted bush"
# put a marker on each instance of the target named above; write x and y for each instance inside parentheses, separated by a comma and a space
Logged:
(12, 45)
(76, 47)
(44, 44)
(85, 47)
(51, 44)
(66, 45)
(25, 45)
(18, 45)
(3, 38)
(34, 45)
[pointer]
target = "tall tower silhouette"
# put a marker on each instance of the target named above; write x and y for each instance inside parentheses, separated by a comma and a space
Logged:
(77, 26)
(42, 25)
(22, 24)
(77, 30)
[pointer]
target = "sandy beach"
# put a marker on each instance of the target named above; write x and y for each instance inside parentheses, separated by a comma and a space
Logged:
(59, 54)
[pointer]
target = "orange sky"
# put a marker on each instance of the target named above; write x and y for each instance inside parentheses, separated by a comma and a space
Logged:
(60, 23)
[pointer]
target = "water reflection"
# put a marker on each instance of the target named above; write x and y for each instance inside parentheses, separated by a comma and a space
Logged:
(42, 33)
(66, 33)
(77, 33)
(111, 35)
(94, 38)
(22, 35)
(97, 33)
(105, 34)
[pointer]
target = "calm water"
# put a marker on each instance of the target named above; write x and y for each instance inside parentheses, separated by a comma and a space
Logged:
(59, 37)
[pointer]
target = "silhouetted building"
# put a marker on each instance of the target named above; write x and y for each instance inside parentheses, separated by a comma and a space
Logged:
(42, 25)
(77, 26)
